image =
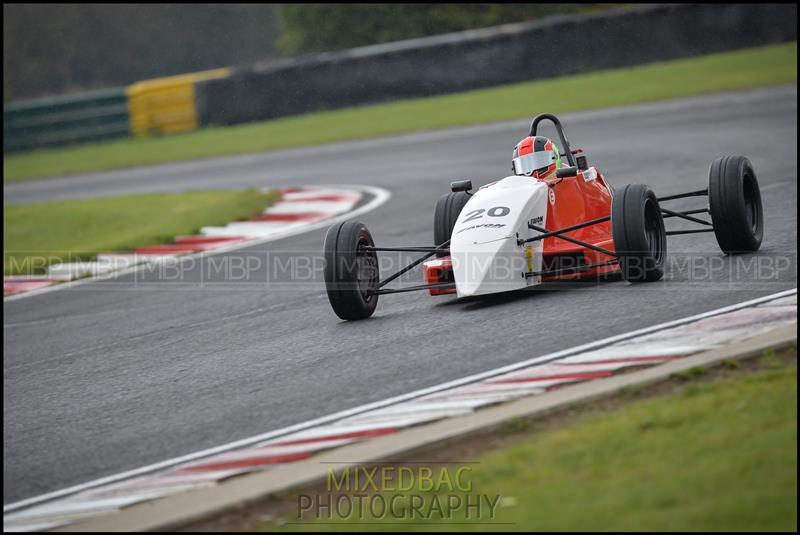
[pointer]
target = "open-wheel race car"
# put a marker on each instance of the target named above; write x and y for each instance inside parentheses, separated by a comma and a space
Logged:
(546, 222)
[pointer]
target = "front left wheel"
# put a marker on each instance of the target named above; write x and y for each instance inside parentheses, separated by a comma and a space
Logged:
(351, 270)
(640, 238)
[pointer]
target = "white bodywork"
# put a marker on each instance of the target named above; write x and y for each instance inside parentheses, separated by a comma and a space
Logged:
(483, 247)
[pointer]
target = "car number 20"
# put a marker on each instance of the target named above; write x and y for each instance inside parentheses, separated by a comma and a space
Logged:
(497, 211)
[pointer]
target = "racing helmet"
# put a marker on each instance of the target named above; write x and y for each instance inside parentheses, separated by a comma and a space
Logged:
(537, 157)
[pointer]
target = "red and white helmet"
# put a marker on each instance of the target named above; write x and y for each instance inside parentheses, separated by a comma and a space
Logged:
(537, 157)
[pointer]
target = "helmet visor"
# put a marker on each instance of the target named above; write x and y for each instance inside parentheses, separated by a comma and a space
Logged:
(525, 165)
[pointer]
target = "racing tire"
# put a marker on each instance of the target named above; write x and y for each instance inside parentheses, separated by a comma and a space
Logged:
(351, 273)
(448, 208)
(640, 239)
(734, 201)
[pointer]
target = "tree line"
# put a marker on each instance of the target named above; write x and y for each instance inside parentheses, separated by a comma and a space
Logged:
(323, 27)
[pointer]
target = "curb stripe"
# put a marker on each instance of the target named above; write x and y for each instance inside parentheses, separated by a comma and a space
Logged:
(627, 360)
(297, 207)
(568, 376)
(354, 434)
(13, 287)
(378, 196)
(199, 238)
(249, 462)
(326, 198)
(300, 216)
(174, 248)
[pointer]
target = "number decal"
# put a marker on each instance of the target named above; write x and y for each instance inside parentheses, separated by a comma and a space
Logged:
(476, 214)
(497, 211)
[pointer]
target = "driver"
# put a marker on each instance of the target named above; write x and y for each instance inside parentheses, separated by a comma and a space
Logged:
(537, 157)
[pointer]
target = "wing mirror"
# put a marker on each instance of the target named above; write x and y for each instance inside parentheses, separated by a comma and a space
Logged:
(566, 172)
(461, 185)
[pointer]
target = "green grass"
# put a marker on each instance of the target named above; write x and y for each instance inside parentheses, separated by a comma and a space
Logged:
(718, 455)
(743, 69)
(36, 235)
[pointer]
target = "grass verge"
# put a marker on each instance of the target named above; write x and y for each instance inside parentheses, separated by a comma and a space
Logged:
(763, 66)
(36, 235)
(717, 451)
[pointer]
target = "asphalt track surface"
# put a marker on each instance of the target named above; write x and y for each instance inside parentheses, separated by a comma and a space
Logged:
(109, 376)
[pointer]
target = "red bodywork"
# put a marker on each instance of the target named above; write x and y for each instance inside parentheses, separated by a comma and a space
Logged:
(577, 200)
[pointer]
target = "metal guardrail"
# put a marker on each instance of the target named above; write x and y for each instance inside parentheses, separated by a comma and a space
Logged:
(63, 120)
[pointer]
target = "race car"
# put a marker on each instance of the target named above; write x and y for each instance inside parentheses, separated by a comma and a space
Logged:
(546, 222)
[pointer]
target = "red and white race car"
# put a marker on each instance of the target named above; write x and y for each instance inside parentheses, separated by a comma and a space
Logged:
(534, 227)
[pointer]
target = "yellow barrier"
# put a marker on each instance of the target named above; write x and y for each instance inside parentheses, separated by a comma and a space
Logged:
(166, 105)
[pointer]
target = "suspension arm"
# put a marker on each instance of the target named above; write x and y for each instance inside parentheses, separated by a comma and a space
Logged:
(442, 248)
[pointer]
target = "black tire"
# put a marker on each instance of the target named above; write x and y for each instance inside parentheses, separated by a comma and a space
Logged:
(448, 208)
(350, 272)
(639, 235)
(734, 201)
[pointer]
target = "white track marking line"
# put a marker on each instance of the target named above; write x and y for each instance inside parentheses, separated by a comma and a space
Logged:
(379, 197)
(294, 207)
(66, 509)
(250, 229)
(397, 421)
(44, 526)
(304, 426)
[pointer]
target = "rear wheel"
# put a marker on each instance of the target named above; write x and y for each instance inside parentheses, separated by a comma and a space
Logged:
(734, 201)
(448, 208)
(351, 271)
(640, 239)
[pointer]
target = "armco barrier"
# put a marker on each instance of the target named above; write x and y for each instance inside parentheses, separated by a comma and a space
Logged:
(166, 105)
(550, 47)
(62, 120)
(158, 106)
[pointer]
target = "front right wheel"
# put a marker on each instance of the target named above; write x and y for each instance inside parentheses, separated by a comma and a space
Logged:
(445, 216)
(640, 239)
